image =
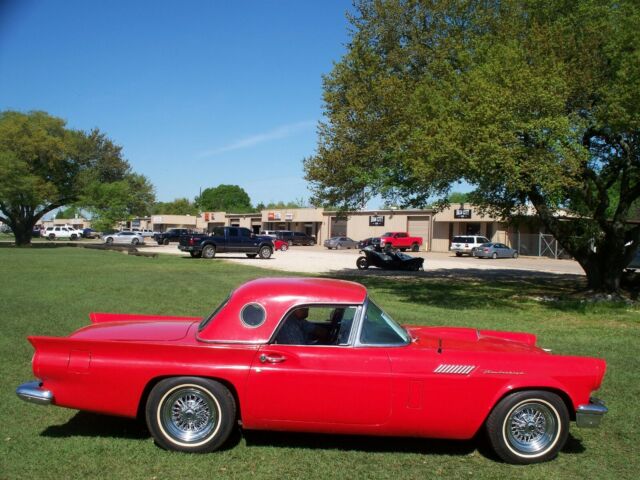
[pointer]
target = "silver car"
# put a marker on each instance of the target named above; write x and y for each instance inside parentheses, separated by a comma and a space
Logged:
(130, 238)
(494, 250)
(340, 242)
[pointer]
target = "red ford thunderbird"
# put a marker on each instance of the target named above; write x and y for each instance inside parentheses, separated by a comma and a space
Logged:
(317, 355)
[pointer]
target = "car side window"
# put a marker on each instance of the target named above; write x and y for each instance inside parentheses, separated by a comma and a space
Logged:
(317, 325)
(233, 232)
(245, 233)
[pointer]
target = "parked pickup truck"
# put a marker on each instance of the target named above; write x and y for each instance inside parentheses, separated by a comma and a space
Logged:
(400, 240)
(227, 240)
(171, 235)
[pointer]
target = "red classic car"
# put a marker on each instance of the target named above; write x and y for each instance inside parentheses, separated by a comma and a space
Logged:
(317, 355)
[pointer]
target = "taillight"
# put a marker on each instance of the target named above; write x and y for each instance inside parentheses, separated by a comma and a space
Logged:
(192, 241)
(486, 249)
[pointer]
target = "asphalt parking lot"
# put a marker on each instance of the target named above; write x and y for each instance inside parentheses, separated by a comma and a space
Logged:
(320, 260)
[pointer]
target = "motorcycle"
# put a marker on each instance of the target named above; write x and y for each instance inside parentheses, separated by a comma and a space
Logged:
(388, 260)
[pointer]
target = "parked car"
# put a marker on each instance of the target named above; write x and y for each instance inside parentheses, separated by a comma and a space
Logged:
(171, 235)
(346, 368)
(131, 238)
(401, 241)
(295, 238)
(634, 264)
(280, 244)
(145, 232)
(90, 233)
(270, 233)
(494, 250)
(227, 240)
(371, 241)
(464, 244)
(61, 232)
(340, 242)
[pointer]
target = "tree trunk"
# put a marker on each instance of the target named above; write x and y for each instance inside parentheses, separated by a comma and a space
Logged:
(23, 233)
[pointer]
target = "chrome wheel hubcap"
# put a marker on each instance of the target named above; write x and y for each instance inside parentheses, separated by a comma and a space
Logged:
(189, 415)
(531, 428)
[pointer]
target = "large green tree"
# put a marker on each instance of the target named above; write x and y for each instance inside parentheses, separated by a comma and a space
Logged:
(44, 165)
(224, 198)
(534, 102)
(179, 206)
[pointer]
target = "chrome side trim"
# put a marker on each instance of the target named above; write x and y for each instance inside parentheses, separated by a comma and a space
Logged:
(454, 369)
(32, 393)
(590, 415)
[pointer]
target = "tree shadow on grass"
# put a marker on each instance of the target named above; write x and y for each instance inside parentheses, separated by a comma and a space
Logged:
(460, 289)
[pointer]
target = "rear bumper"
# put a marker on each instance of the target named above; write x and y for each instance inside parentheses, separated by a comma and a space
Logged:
(33, 393)
(590, 414)
(187, 248)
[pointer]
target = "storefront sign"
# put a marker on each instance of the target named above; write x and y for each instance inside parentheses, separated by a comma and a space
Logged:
(274, 216)
(288, 216)
(135, 223)
(376, 220)
(209, 216)
(462, 213)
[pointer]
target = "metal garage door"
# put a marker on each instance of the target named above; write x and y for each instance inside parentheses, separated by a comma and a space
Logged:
(419, 227)
(338, 227)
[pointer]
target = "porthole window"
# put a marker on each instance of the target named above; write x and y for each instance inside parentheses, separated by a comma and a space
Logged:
(253, 315)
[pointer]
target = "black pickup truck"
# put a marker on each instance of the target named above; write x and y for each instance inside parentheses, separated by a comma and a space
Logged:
(227, 240)
(171, 235)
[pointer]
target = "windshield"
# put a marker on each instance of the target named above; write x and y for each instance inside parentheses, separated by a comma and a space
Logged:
(205, 321)
(378, 328)
(388, 234)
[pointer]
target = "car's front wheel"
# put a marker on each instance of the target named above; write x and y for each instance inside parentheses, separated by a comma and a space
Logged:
(165, 241)
(284, 247)
(208, 251)
(190, 414)
(515, 255)
(362, 263)
(135, 241)
(528, 427)
(109, 241)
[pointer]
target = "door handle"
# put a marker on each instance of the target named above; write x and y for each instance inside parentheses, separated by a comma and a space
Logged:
(271, 358)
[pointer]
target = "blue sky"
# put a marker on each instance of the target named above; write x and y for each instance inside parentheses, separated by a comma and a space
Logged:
(198, 93)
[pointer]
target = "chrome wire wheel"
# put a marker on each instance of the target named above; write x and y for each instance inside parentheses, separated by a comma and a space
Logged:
(528, 426)
(531, 428)
(189, 415)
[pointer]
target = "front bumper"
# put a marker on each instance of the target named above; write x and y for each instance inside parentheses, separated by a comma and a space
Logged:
(590, 415)
(33, 393)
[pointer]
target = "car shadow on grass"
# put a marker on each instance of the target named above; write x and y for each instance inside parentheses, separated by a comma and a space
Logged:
(86, 424)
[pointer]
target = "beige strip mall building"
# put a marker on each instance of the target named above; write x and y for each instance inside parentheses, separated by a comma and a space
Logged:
(436, 228)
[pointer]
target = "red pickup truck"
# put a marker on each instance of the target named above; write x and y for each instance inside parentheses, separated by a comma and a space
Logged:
(401, 241)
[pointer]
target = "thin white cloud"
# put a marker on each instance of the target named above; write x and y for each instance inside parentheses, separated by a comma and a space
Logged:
(283, 131)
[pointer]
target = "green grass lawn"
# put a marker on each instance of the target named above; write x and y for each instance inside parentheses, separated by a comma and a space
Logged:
(52, 291)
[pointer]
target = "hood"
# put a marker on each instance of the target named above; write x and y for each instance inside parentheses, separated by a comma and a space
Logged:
(163, 331)
(471, 339)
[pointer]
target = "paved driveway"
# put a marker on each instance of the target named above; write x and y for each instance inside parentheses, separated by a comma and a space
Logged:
(320, 260)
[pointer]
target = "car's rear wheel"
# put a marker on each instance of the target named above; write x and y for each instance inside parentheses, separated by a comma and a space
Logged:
(528, 427)
(51, 236)
(165, 241)
(415, 247)
(208, 251)
(284, 247)
(135, 241)
(73, 236)
(190, 414)
(494, 255)
(458, 254)
(362, 263)
(265, 252)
